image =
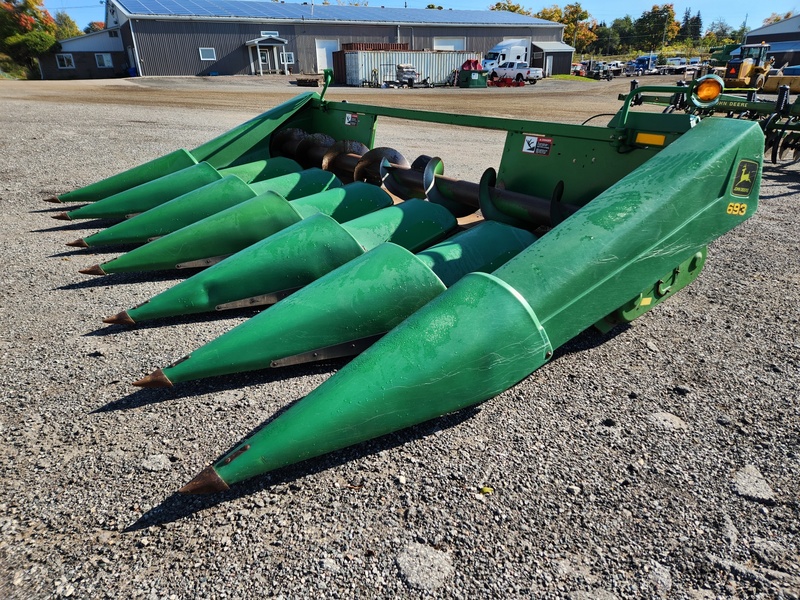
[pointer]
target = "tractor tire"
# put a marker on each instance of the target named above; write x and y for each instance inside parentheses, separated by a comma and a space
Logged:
(519, 77)
(760, 81)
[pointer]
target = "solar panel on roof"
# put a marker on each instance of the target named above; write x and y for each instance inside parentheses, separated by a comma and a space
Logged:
(277, 10)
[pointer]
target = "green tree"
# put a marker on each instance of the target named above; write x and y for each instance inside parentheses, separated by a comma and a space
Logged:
(607, 42)
(721, 30)
(66, 27)
(510, 7)
(656, 27)
(26, 30)
(623, 27)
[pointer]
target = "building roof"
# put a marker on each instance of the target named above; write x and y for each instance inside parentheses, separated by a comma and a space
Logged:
(290, 12)
(553, 46)
(790, 25)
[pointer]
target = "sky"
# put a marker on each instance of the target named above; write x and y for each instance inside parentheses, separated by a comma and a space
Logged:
(733, 13)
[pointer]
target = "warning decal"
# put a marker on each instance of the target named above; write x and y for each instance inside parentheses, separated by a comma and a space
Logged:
(536, 144)
(351, 119)
(744, 178)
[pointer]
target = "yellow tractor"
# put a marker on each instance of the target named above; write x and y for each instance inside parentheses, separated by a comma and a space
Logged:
(750, 69)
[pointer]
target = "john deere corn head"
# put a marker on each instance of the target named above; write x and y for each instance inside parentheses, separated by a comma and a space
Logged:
(361, 251)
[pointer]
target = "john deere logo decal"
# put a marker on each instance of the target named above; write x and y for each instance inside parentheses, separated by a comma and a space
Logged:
(745, 176)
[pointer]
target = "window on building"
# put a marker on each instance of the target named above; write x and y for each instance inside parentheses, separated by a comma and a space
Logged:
(64, 61)
(287, 58)
(208, 54)
(103, 60)
(113, 33)
(269, 34)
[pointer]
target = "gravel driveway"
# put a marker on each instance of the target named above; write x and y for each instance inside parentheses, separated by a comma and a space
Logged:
(662, 461)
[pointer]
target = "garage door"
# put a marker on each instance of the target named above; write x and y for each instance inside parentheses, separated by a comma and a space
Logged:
(325, 50)
(450, 43)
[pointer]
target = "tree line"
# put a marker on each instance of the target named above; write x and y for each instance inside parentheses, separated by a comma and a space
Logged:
(27, 30)
(652, 30)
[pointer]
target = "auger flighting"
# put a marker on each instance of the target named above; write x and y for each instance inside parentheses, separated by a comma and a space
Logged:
(582, 226)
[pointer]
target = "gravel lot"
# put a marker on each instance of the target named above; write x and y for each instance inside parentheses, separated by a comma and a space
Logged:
(662, 461)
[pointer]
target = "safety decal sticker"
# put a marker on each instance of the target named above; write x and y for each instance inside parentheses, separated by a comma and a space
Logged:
(536, 144)
(351, 119)
(744, 178)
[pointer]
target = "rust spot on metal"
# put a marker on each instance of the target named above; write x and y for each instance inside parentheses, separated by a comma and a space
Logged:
(236, 454)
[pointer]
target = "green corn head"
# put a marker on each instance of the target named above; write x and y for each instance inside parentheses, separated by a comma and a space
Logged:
(582, 226)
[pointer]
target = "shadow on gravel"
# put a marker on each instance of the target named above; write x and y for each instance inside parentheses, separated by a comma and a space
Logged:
(591, 338)
(77, 225)
(222, 315)
(223, 383)
(93, 281)
(87, 253)
(284, 481)
(789, 177)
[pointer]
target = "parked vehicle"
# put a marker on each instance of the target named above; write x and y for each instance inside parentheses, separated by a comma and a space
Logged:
(600, 70)
(507, 51)
(750, 68)
(643, 65)
(518, 71)
(674, 66)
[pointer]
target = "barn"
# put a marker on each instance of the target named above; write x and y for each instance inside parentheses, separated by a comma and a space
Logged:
(248, 37)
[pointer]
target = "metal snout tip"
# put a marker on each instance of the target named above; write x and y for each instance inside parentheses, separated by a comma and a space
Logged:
(62, 216)
(79, 243)
(156, 379)
(93, 270)
(53, 200)
(121, 318)
(207, 482)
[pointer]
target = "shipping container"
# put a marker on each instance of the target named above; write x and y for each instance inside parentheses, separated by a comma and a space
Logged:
(436, 66)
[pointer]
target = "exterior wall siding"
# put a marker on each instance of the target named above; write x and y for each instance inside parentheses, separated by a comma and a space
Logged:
(168, 47)
(85, 66)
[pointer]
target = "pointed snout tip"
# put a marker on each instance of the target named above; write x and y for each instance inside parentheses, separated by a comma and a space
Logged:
(121, 318)
(93, 270)
(62, 216)
(207, 481)
(156, 379)
(79, 243)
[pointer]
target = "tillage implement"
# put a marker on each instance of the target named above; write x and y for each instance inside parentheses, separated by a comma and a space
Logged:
(449, 292)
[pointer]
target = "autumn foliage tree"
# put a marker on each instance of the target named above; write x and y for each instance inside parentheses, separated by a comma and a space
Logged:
(26, 30)
(578, 26)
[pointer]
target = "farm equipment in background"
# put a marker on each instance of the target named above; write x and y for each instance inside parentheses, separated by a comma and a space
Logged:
(581, 226)
(750, 69)
(778, 119)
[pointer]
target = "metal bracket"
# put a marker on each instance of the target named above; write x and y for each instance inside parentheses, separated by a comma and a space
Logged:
(202, 262)
(272, 298)
(351, 348)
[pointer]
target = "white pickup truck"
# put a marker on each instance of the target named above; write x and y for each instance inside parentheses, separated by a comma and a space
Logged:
(518, 71)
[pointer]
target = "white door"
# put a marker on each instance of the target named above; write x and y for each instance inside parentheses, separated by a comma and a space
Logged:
(325, 50)
(548, 69)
